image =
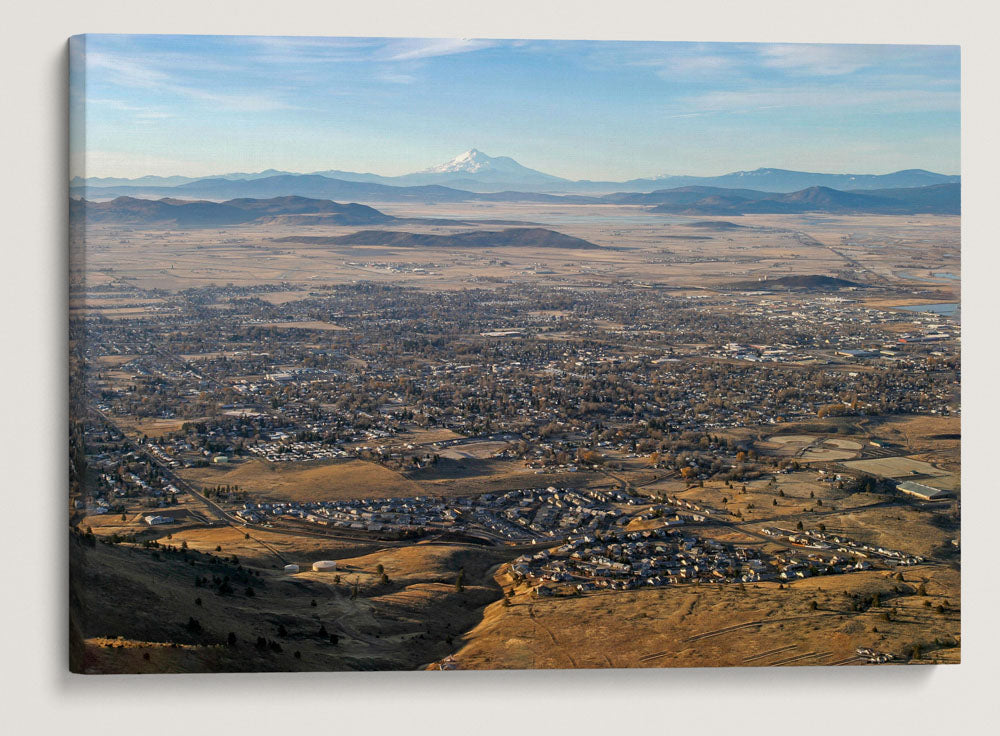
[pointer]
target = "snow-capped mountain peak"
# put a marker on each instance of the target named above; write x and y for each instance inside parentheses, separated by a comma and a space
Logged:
(474, 164)
(470, 162)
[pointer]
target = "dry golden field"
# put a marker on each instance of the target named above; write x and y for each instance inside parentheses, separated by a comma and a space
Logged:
(309, 481)
(718, 626)
(647, 248)
(266, 548)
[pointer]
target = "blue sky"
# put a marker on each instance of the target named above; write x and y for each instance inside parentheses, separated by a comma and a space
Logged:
(197, 105)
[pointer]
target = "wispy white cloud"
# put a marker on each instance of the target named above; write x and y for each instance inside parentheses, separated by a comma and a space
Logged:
(154, 115)
(291, 50)
(412, 49)
(698, 64)
(396, 77)
(827, 60)
(288, 52)
(823, 60)
(113, 104)
(126, 72)
(249, 102)
(137, 112)
(845, 98)
(760, 63)
(665, 60)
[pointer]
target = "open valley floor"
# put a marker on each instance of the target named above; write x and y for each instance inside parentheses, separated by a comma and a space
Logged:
(515, 435)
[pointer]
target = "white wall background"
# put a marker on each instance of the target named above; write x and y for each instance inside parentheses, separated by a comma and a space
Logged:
(39, 696)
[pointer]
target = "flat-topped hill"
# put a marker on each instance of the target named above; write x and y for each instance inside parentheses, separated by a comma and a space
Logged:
(525, 237)
(811, 281)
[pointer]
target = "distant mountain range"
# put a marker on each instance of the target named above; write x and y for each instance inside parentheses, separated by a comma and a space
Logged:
(164, 181)
(314, 186)
(269, 200)
(299, 210)
(942, 199)
(188, 214)
(474, 171)
(782, 180)
(182, 213)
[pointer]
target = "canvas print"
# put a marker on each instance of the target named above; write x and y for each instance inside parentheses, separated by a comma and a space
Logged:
(457, 354)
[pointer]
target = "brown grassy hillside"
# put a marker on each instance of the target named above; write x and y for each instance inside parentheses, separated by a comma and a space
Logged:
(137, 610)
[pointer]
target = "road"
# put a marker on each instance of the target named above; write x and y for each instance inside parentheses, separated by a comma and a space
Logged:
(213, 508)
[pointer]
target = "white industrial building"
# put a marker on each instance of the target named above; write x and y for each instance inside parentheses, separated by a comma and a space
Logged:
(927, 493)
(154, 520)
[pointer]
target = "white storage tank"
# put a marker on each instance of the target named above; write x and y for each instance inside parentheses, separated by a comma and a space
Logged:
(291, 568)
(324, 566)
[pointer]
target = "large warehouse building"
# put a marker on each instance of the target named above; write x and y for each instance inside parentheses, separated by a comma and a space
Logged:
(927, 493)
